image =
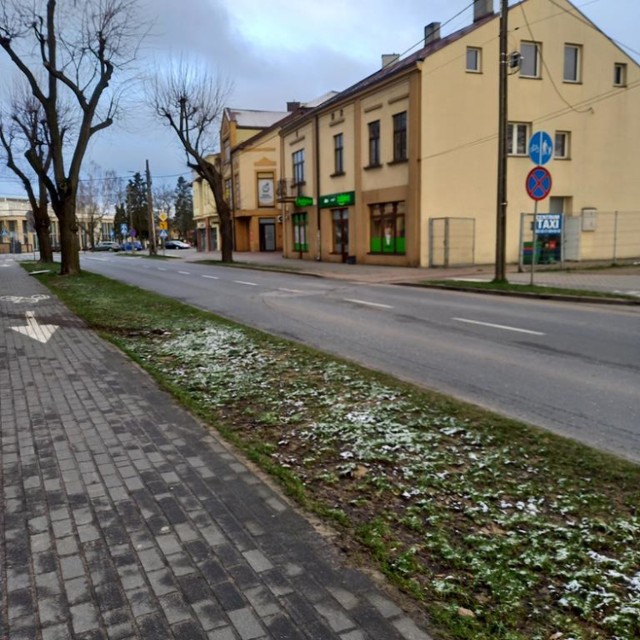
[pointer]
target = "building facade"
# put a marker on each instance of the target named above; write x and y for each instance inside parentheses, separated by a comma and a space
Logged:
(401, 168)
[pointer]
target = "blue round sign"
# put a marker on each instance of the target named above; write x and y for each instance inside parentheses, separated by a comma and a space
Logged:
(540, 147)
(538, 183)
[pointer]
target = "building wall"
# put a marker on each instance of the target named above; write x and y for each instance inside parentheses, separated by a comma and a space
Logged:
(460, 122)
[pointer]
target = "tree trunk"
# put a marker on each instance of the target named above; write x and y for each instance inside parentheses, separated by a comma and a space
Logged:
(69, 244)
(226, 235)
(42, 226)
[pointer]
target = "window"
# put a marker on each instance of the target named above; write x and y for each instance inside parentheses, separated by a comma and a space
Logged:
(517, 138)
(400, 136)
(374, 143)
(298, 166)
(529, 60)
(227, 192)
(620, 74)
(338, 154)
(387, 228)
(572, 59)
(561, 148)
(474, 59)
(300, 223)
(226, 151)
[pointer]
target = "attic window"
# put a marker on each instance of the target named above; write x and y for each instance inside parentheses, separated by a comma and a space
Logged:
(474, 59)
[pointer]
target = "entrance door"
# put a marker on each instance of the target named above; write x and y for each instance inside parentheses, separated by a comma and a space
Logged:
(267, 234)
(340, 219)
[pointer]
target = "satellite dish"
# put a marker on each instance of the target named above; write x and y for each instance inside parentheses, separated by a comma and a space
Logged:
(515, 59)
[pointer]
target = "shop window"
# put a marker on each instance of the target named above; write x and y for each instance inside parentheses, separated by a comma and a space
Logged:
(300, 228)
(387, 228)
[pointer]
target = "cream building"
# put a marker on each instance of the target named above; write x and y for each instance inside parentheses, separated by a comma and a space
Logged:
(17, 234)
(401, 168)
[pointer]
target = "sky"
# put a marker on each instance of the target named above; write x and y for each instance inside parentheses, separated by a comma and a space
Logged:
(280, 51)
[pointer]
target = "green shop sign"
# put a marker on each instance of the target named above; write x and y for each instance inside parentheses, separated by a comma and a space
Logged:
(338, 199)
(303, 201)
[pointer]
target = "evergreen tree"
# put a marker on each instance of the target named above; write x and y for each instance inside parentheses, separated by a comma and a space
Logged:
(119, 219)
(183, 219)
(137, 212)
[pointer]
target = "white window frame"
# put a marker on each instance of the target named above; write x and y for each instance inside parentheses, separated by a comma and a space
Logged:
(619, 74)
(566, 154)
(576, 67)
(477, 59)
(525, 57)
(512, 138)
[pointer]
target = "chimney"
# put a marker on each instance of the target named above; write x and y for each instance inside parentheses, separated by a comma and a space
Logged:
(293, 106)
(389, 58)
(481, 9)
(431, 33)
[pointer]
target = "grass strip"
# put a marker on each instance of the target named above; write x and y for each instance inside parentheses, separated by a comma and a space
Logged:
(499, 530)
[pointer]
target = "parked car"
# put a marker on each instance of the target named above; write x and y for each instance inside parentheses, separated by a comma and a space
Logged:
(176, 244)
(136, 245)
(107, 246)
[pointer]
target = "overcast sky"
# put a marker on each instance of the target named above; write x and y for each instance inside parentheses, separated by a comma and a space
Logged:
(284, 50)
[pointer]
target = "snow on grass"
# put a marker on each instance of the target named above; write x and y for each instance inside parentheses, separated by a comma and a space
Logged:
(475, 520)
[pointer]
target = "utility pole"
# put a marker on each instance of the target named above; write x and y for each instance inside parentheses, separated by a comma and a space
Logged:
(501, 214)
(152, 227)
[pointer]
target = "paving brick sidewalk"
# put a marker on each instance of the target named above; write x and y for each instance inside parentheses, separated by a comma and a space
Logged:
(122, 517)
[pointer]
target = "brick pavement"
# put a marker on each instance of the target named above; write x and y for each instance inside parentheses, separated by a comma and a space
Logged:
(122, 517)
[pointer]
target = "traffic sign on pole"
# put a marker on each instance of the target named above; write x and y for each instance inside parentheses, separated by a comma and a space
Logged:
(540, 147)
(538, 183)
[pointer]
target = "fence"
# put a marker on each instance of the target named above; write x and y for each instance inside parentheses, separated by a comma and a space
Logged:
(452, 242)
(591, 235)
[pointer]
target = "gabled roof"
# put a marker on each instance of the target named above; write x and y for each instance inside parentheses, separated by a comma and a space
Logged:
(253, 118)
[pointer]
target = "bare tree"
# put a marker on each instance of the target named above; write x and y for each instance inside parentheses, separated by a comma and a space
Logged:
(191, 103)
(68, 52)
(95, 200)
(22, 130)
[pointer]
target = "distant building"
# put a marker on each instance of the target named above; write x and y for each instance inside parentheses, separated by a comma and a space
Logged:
(17, 234)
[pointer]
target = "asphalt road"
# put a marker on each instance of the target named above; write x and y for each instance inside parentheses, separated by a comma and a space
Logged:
(573, 369)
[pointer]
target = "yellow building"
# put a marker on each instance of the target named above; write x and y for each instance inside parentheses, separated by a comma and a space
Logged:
(205, 213)
(401, 168)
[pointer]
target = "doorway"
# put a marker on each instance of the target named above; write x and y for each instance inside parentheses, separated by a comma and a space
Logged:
(267, 234)
(340, 218)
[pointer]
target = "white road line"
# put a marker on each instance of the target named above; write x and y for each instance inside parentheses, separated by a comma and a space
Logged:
(250, 284)
(185, 273)
(212, 277)
(368, 304)
(499, 326)
(290, 290)
(161, 269)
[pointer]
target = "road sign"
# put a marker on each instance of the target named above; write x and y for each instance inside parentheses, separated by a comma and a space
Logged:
(538, 183)
(548, 224)
(540, 147)
(134, 233)
(162, 216)
(123, 229)
(163, 234)
(163, 224)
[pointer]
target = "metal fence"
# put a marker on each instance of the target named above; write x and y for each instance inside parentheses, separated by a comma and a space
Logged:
(590, 235)
(452, 242)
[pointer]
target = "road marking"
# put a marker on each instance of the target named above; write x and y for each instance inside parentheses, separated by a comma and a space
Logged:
(36, 297)
(161, 269)
(290, 290)
(368, 304)
(212, 277)
(250, 284)
(40, 332)
(185, 273)
(499, 326)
